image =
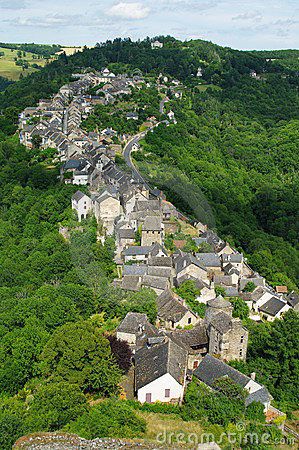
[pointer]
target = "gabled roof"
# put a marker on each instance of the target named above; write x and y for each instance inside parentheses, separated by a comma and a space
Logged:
(134, 323)
(153, 362)
(211, 368)
(135, 269)
(273, 306)
(152, 223)
(131, 283)
(209, 259)
(126, 233)
(78, 195)
(190, 339)
(160, 261)
(170, 307)
(219, 302)
(183, 261)
(137, 250)
(155, 282)
(233, 258)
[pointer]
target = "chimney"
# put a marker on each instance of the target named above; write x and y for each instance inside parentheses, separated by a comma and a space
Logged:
(253, 375)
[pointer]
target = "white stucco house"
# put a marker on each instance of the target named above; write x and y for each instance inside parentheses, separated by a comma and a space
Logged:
(82, 204)
(160, 372)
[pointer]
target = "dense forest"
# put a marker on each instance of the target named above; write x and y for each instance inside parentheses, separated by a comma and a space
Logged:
(231, 159)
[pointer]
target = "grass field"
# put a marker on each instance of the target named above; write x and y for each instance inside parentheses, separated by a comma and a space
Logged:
(8, 68)
(71, 50)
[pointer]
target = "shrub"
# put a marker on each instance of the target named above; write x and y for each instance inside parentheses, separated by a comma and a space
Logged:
(111, 418)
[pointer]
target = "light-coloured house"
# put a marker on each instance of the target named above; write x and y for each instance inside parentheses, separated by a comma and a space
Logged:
(273, 309)
(173, 312)
(160, 372)
(156, 45)
(82, 204)
(211, 369)
(187, 265)
(107, 209)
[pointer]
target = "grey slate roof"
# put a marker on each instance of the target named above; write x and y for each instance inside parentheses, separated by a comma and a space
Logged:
(157, 271)
(135, 269)
(210, 369)
(219, 302)
(258, 281)
(155, 282)
(191, 339)
(161, 261)
(293, 299)
(183, 261)
(209, 259)
(77, 196)
(153, 362)
(170, 308)
(262, 396)
(272, 306)
(126, 233)
(231, 291)
(222, 322)
(147, 205)
(152, 223)
(234, 258)
(131, 282)
(137, 250)
(132, 323)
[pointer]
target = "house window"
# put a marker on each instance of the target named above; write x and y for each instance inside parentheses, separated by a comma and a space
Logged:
(242, 339)
(167, 393)
(241, 352)
(148, 398)
(189, 320)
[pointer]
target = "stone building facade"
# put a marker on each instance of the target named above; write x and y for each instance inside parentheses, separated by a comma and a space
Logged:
(228, 338)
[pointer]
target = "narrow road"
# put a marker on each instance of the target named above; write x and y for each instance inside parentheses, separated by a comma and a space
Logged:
(162, 103)
(127, 156)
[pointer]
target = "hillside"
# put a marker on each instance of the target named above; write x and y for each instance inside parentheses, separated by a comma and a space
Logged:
(29, 63)
(226, 156)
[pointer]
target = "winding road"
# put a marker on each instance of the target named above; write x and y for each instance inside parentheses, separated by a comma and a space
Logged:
(134, 140)
(127, 156)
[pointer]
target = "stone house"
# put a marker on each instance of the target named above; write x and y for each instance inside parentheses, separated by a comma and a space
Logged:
(195, 342)
(107, 209)
(187, 266)
(82, 204)
(135, 329)
(211, 369)
(160, 372)
(152, 231)
(227, 337)
(137, 253)
(211, 261)
(173, 312)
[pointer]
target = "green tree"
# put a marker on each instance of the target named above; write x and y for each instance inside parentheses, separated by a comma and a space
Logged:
(109, 419)
(79, 354)
(241, 309)
(54, 405)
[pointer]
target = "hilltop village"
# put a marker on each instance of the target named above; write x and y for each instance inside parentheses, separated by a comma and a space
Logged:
(181, 344)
